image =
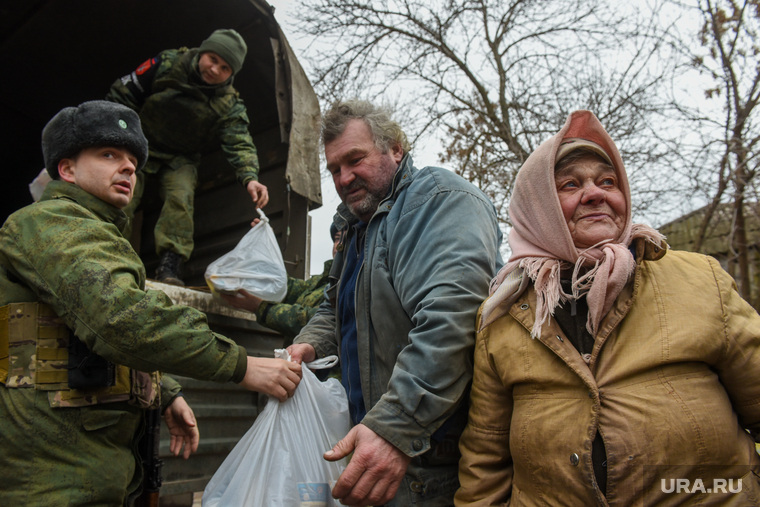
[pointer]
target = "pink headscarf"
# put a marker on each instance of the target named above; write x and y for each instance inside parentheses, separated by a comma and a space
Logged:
(541, 242)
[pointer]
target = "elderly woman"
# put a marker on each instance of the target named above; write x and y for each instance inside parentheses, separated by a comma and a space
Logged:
(608, 369)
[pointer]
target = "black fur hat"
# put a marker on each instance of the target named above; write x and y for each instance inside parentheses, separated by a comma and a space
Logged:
(92, 124)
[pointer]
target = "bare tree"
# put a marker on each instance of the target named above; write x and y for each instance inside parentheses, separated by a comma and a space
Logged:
(494, 78)
(725, 155)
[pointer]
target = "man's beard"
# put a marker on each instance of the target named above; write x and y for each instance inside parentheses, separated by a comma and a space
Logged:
(367, 205)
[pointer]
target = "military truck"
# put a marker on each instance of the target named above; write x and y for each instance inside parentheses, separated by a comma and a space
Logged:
(61, 53)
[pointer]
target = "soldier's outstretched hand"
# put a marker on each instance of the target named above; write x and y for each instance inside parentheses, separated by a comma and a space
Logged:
(272, 376)
(244, 300)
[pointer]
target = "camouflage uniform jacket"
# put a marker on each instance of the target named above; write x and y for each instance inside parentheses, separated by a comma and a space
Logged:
(183, 117)
(67, 251)
(300, 304)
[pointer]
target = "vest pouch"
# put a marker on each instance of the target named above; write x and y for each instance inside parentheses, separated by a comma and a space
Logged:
(33, 343)
(37, 351)
(120, 391)
(146, 389)
(87, 369)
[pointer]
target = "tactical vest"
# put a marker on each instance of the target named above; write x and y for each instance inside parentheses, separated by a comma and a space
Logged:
(34, 354)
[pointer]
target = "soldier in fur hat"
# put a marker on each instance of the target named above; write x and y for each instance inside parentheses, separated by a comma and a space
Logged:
(78, 329)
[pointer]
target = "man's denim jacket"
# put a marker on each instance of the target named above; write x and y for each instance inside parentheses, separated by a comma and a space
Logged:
(430, 251)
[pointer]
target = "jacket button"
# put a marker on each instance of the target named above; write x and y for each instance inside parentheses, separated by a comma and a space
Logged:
(574, 459)
(417, 445)
(524, 306)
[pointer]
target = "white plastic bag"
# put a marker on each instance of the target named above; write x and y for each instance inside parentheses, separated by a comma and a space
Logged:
(278, 462)
(255, 264)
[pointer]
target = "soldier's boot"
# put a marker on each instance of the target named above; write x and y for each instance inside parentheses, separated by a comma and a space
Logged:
(168, 269)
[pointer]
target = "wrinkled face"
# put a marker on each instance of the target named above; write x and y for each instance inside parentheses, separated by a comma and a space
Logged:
(592, 203)
(108, 173)
(213, 68)
(361, 173)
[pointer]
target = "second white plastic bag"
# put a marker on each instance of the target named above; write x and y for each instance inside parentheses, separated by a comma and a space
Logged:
(279, 460)
(254, 265)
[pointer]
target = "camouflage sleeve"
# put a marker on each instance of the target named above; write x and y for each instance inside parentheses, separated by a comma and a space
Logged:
(237, 144)
(92, 278)
(296, 288)
(285, 318)
(133, 88)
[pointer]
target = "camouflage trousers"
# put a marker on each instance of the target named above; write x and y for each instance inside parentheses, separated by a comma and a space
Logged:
(66, 456)
(174, 228)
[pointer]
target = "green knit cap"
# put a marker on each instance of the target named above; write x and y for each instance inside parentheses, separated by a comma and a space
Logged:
(228, 44)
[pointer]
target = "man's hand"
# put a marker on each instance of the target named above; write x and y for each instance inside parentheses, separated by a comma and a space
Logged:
(259, 193)
(272, 376)
(183, 429)
(243, 299)
(375, 471)
(302, 353)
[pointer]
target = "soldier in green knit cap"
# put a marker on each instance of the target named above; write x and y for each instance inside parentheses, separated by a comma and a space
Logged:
(81, 339)
(188, 106)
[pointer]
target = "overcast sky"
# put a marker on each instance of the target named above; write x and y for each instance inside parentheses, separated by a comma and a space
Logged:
(321, 245)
